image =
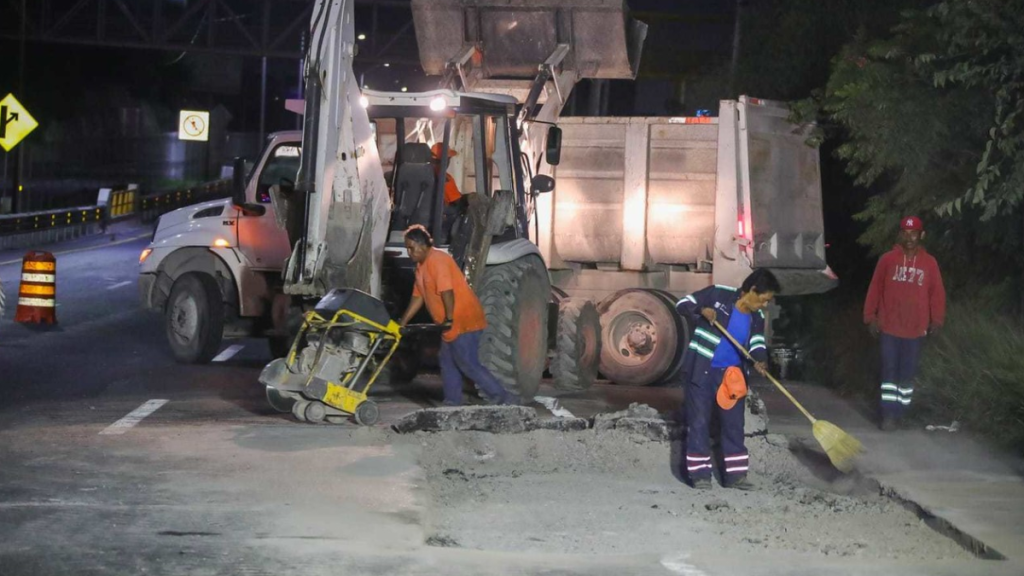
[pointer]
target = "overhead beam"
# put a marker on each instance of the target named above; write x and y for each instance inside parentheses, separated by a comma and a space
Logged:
(271, 28)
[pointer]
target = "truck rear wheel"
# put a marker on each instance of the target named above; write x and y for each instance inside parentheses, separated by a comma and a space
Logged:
(640, 337)
(514, 345)
(674, 372)
(194, 319)
(577, 345)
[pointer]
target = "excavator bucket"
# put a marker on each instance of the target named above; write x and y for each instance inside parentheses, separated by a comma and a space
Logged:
(513, 37)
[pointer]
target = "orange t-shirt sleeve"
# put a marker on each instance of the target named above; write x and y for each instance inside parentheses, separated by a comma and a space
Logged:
(416, 289)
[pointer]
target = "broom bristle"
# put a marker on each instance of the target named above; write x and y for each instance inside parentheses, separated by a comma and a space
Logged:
(840, 447)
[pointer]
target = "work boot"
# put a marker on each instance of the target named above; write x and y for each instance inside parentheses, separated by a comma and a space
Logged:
(702, 483)
(741, 482)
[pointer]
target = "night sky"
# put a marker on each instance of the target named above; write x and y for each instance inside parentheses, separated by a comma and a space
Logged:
(101, 77)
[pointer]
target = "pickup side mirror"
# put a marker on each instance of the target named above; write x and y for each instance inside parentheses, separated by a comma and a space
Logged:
(238, 191)
(553, 146)
(542, 183)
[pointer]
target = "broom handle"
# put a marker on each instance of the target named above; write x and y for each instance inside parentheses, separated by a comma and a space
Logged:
(767, 374)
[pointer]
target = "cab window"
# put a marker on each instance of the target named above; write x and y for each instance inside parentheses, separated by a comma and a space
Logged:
(283, 165)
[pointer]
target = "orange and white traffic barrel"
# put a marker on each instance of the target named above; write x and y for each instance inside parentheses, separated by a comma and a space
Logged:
(37, 296)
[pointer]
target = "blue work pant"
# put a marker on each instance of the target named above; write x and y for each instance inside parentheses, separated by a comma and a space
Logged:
(899, 368)
(700, 406)
(461, 357)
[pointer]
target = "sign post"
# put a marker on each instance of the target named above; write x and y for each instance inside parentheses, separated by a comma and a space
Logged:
(194, 126)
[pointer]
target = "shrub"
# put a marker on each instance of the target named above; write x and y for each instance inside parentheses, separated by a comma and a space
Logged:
(973, 371)
(841, 354)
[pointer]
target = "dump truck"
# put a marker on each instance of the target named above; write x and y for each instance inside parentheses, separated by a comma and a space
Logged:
(644, 210)
(648, 210)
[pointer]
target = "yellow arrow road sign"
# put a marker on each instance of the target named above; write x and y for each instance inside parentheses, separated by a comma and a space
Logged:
(15, 122)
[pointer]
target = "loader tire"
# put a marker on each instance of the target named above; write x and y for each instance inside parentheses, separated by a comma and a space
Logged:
(514, 344)
(194, 319)
(577, 345)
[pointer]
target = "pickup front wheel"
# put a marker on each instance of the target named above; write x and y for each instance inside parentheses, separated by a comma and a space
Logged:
(194, 319)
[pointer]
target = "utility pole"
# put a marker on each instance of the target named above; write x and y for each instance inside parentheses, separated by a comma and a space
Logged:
(16, 196)
(263, 100)
(735, 49)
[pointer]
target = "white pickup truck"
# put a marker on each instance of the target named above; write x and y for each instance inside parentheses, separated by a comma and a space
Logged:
(214, 269)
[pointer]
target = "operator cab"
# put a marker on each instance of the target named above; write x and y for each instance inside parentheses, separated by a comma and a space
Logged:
(441, 151)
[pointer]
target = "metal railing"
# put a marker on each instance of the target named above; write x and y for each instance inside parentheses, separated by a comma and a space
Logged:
(47, 226)
(18, 230)
(151, 207)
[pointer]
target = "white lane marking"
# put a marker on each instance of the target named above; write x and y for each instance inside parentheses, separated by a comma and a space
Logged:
(553, 405)
(678, 565)
(228, 353)
(119, 284)
(133, 417)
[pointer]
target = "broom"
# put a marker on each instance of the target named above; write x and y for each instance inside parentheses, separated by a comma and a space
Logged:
(840, 447)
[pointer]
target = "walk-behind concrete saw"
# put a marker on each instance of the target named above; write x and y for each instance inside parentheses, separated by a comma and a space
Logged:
(343, 346)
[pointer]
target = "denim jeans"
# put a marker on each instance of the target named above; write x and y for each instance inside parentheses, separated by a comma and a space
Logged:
(461, 357)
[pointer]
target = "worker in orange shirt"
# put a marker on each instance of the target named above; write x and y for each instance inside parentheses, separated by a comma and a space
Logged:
(451, 302)
(451, 189)
(452, 195)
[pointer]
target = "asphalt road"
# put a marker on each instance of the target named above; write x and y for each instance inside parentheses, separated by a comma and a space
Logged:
(208, 479)
(212, 481)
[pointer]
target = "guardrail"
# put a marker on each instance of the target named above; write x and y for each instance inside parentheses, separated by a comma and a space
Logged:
(50, 226)
(150, 208)
(17, 230)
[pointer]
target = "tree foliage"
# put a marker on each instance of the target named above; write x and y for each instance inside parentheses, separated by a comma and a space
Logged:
(982, 50)
(786, 45)
(930, 118)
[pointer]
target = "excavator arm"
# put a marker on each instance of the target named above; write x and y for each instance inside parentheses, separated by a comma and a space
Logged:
(536, 50)
(340, 191)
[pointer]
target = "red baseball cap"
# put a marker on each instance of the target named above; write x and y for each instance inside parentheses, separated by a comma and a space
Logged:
(911, 223)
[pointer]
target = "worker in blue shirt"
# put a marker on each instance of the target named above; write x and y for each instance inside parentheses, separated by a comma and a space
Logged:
(715, 373)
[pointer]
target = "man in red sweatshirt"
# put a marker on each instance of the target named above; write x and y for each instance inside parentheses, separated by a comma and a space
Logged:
(906, 302)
